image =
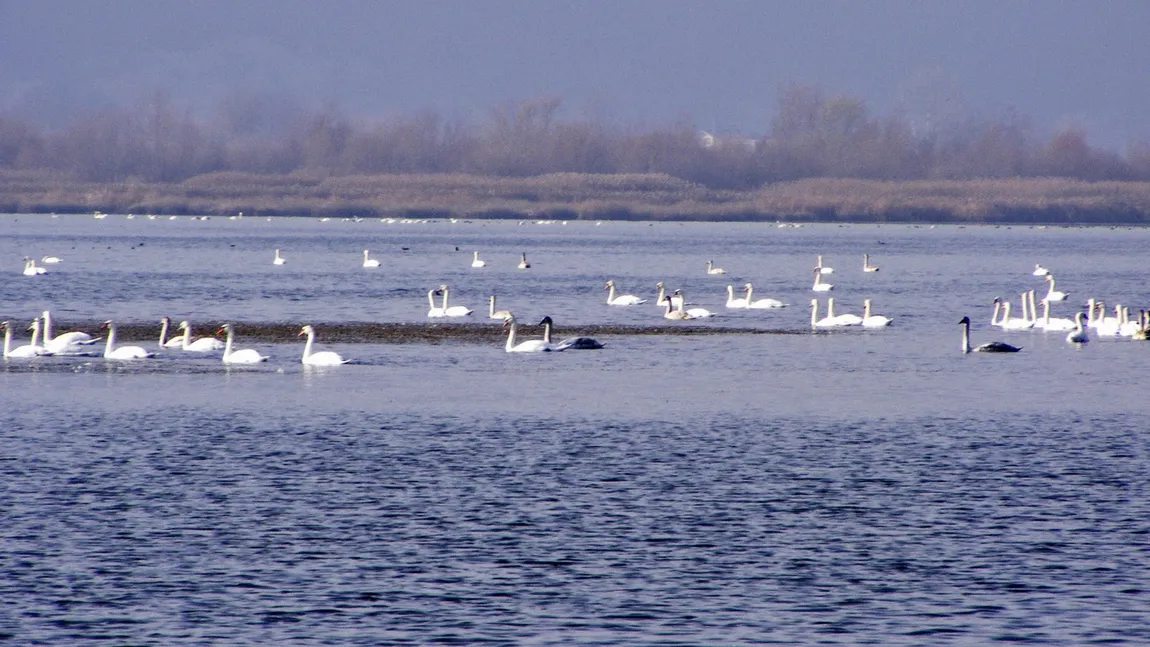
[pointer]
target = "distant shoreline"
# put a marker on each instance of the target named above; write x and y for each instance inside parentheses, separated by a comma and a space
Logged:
(573, 196)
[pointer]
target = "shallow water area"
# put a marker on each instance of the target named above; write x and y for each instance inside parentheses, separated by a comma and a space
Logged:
(843, 487)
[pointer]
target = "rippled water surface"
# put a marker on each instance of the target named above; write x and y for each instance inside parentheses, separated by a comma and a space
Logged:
(854, 487)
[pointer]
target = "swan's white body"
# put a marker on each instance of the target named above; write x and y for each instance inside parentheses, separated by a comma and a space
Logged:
(238, 356)
(825, 322)
(1051, 293)
(368, 261)
(433, 310)
(496, 314)
(819, 286)
(676, 299)
(570, 343)
(523, 264)
(622, 299)
(1039, 270)
(31, 269)
(761, 304)
(873, 321)
(201, 345)
(278, 260)
(711, 269)
(732, 302)
(323, 357)
(693, 313)
(31, 349)
(1014, 324)
(867, 267)
(530, 346)
(64, 343)
(452, 311)
(475, 262)
(845, 319)
(1048, 323)
(176, 341)
(821, 269)
(988, 347)
(1126, 327)
(123, 352)
(51, 259)
(671, 313)
(1079, 334)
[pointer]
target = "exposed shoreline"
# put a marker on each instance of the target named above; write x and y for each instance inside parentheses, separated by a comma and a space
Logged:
(570, 196)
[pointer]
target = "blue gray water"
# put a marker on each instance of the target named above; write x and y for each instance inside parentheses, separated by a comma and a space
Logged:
(858, 487)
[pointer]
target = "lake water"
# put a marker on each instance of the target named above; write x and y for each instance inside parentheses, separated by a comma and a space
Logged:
(850, 487)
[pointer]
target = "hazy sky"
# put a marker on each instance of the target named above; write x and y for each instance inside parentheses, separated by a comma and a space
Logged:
(719, 63)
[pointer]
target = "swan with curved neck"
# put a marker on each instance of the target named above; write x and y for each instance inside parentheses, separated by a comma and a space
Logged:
(122, 352)
(819, 286)
(988, 347)
(661, 293)
(176, 341)
(237, 356)
(711, 269)
(529, 346)
(67, 342)
(867, 267)
(496, 314)
(278, 260)
(31, 349)
(873, 321)
(761, 304)
(475, 262)
(732, 302)
(694, 313)
(1079, 334)
(368, 261)
(321, 358)
(432, 309)
(523, 264)
(201, 345)
(1051, 293)
(570, 343)
(452, 311)
(825, 322)
(622, 299)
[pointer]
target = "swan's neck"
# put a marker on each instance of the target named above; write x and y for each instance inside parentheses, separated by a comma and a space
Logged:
(511, 335)
(610, 293)
(661, 294)
(7, 340)
(35, 332)
(866, 309)
(308, 343)
(445, 291)
(431, 299)
(163, 332)
(966, 338)
(111, 343)
(1045, 311)
(187, 336)
(491, 310)
(830, 308)
(47, 325)
(546, 333)
(994, 320)
(750, 290)
(814, 312)
(228, 341)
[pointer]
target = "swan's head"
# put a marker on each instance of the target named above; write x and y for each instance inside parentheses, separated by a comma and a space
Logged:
(183, 324)
(306, 330)
(225, 328)
(509, 320)
(746, 286)
(659, 284)
(106, 325)
(3, 325)
(965, 321)
(609, 284)
(34, 325)
(546, 321)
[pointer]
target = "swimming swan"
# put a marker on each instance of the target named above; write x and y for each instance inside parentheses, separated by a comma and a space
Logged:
(523, 264)
(123, 352)
(821, 269)
(825, 322)
(31, 349)
(873, 321)
(1051, 293)
(819, 286)
(988, 347)
(845, 319)
(475, 262)
(694, 313)
(369, 262)
(452, 311)
(176, 341)
(530, 346)
(676, 299)
(732, 302)
(678, 314)
(867, 267)
(51, 259)
(570, 343)
(323, 357)
(201, 345)
(67, 342)
(711, 269)
(761, 304)
(278, 260)
(31, 269)
(622, 299)
(434, 310)
(1079, 334)
(240, 356)
(496, 314)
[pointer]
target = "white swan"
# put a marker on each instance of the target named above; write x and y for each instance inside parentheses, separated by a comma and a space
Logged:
(278, 260)
(570, 343)
(1013, 324)
(323, 357)
(761, 304)
(201, 345)
(432, 309)
(523, 264)
(873, 321)
(867, 267)
(31, 269)
(31, 349)
(670, 313)
(676, 299)
(368, 261)
(1051, 293)
(732, 302)
(622, 299)
(711, 269)
(1039, 270)
(239, 356)
(452, 311)
(1126, 327)
(530, 346)
(823, 270)
(1079, 334)
(819, 286)
(845, 319)
(825, 322)
(64, 343)
(1105, 326)
(123, 352)
(475, 262)
(51, 259)
(1048, 323)
(176, 341)
(496, 314)
(988, 347)
(694, 313)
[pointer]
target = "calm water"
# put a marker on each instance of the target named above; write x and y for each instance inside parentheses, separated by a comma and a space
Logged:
(858, 487)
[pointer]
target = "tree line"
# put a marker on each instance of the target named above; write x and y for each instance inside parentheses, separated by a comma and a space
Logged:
(812, 135)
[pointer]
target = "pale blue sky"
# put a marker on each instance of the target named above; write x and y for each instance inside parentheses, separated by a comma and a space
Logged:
(718, 63)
